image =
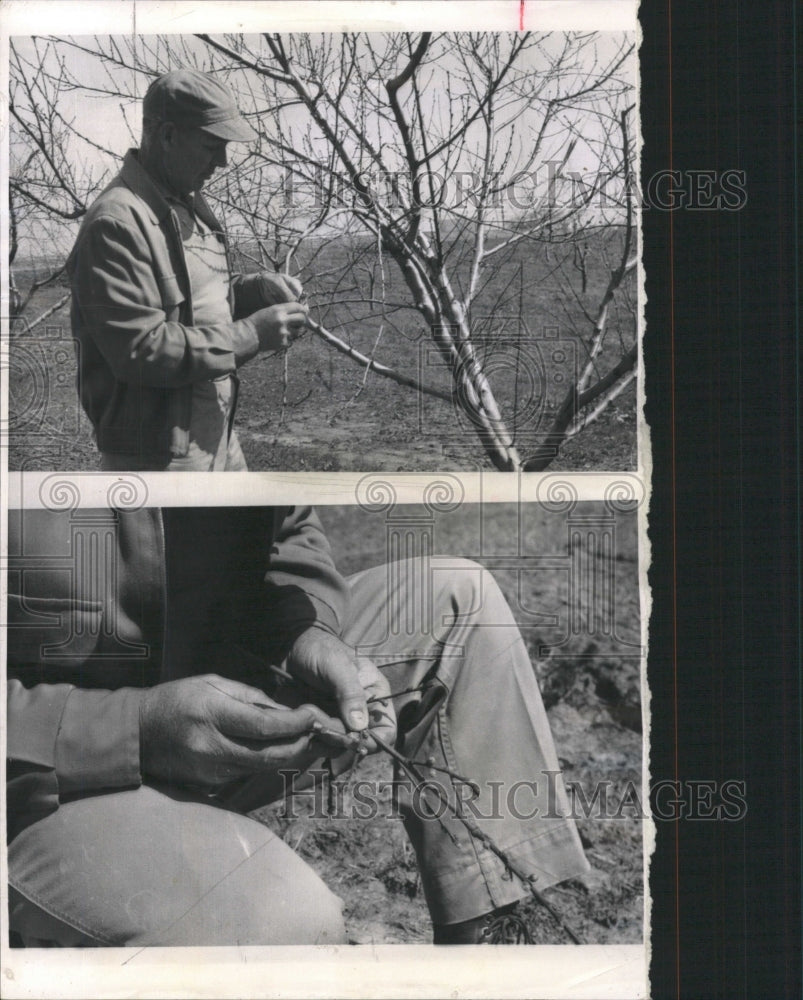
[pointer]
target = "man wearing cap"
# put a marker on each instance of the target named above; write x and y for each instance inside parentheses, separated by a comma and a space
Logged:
(160, 321)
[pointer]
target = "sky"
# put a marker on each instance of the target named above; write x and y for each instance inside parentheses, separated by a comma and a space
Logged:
(113, 122)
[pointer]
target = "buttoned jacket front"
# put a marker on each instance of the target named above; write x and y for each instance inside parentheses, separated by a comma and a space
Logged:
(103, 604)
(139, 352)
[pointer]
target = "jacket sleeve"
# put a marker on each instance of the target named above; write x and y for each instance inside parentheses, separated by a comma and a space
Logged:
(62, 740)
(124, 307)
(304, 587)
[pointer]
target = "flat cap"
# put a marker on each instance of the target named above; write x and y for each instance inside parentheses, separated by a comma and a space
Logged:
(196, 100)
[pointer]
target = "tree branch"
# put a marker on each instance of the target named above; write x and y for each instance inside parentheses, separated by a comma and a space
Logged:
(351, 352)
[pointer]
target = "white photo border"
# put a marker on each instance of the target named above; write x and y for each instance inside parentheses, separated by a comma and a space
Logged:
(554, 971)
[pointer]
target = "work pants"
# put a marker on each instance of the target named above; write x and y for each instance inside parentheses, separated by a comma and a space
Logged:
(154, 867)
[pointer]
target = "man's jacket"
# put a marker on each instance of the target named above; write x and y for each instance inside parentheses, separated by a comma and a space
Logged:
(132, 317)
(104, 603)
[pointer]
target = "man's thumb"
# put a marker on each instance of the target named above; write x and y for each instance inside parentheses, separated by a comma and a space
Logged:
(354, 711)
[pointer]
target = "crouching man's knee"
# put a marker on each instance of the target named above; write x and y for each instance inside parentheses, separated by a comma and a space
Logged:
(466, 592)
(265, 905)
(139, 867)
(317, 916)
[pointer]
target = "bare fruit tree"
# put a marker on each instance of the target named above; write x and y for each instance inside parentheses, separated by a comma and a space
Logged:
(410, 181)
(49, 187)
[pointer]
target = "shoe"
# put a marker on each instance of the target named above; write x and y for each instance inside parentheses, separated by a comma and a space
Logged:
(502, 926)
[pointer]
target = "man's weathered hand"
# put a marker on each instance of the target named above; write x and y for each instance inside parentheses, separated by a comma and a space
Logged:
(209, 730)
(278, 326)
(327, 664)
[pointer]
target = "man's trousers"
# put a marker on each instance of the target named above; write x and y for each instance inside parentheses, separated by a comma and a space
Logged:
(154, 867)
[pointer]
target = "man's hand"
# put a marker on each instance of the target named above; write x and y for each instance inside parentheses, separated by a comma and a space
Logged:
(327, 664)
(278, 326)
(210, 730)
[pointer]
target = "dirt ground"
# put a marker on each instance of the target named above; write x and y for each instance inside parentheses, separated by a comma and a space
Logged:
(371, 865)
(326, 416)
